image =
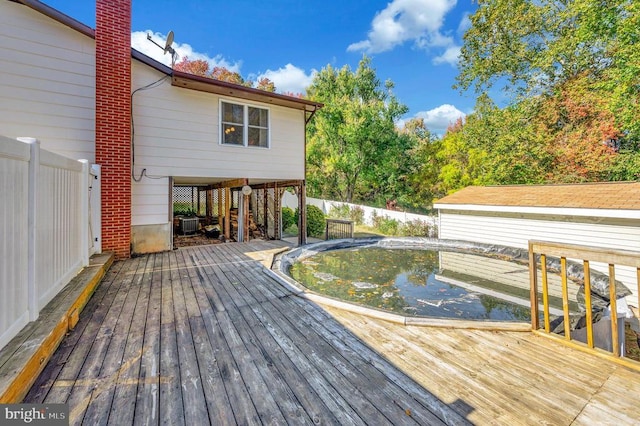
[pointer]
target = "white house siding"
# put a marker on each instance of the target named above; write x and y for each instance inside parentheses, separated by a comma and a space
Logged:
(515, 230)
(47, 89)
(177, 134)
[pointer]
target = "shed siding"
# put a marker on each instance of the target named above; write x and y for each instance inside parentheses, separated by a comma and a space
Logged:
(177, 134)
(515, 230)
(48, 82)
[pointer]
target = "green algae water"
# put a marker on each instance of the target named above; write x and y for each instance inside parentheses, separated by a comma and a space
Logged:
(414, 283)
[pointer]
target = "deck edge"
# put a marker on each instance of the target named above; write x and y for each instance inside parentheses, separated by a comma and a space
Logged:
(31, 354)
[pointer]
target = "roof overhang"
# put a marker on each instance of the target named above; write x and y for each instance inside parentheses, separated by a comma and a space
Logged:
(204, 84)
(58, 16)
(562, 211)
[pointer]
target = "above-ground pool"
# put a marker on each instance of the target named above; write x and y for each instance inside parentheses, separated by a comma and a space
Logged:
(423, 277)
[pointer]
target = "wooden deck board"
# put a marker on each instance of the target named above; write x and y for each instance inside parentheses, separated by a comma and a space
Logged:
(87, 326)
(205, 334)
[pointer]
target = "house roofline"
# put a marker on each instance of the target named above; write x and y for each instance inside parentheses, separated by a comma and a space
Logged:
(205, 84)
(563, 211)
(58, 16)
(182, 79)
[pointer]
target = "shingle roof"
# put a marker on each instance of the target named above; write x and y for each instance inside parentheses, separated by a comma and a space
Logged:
(602, 195)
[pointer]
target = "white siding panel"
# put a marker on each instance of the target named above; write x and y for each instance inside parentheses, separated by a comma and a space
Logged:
(177, 134)
(47, 90)
(516, 230)
(150, 202)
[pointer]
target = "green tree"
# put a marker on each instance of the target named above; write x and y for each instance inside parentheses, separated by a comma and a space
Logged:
(352, 141)
(423, 183)
(537, 44)
(573, 68)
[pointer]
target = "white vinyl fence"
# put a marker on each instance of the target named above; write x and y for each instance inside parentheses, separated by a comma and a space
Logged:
(290, 200)
(45, 237)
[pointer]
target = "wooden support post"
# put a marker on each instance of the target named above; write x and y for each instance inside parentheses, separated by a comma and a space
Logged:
(266, 212)
(227, 213)
(302, 214)
(276, 212)
(245, 218)
(220, 201)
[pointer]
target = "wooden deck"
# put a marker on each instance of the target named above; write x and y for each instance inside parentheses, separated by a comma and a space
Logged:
(205, 335)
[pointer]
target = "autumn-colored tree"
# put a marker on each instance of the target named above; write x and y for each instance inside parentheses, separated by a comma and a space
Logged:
(223, 74)
(578, 124)
(573, 68)
(265, 84)
(197, 66)
(201, 67)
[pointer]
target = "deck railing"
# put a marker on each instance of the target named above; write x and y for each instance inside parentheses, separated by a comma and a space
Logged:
(338, 228)
(540, 252)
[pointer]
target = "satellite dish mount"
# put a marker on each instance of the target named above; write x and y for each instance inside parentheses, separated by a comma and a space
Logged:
(167, 47)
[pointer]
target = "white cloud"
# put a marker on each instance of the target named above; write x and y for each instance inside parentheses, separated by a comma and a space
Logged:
(140, 43)
(289, 79)
(438, 119)
(406, 20)
(465, 24)
(450, 56)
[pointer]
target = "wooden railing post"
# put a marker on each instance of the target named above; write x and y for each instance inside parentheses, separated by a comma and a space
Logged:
(613, 307)
(533, 277)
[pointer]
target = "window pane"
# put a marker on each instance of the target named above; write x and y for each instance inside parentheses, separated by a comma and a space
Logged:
(258, 117)
(232, 134)
(258, 137)
(232, 113)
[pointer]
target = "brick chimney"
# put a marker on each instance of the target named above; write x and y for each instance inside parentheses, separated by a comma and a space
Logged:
(113, 121)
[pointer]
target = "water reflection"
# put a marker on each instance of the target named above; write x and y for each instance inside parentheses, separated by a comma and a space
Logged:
(419, 282)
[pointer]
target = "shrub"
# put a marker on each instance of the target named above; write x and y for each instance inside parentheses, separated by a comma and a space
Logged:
(183, 209)
(385, 224)
(340, 211)
(289, 217)
(316, 221)
(416, 228)
(346, 212)
(356, 214)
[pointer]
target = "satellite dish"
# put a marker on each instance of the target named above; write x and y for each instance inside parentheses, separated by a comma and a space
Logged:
(167, 46)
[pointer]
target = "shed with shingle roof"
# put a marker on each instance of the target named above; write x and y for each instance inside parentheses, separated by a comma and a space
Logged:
(595, 214)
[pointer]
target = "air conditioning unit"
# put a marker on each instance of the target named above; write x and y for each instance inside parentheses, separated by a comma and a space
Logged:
(188, 225)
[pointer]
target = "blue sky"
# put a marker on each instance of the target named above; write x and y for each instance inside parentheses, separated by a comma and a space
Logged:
(414, 43)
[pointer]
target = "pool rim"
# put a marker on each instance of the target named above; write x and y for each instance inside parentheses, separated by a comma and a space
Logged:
(282, 261)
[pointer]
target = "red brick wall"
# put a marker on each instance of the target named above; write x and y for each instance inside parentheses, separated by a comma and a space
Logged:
(113, 121)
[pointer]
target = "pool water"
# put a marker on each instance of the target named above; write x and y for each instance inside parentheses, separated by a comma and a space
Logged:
(409, 282)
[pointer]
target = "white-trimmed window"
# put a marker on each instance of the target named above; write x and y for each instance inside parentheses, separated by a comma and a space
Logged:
(244, 125)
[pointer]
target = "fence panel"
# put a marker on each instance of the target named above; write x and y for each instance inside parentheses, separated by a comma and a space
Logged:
(44, 231)
(290, 200)
(14, 248)
(58, 224)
